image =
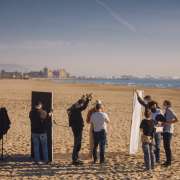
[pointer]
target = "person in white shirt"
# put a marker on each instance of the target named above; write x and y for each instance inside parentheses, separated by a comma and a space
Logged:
(99, 120)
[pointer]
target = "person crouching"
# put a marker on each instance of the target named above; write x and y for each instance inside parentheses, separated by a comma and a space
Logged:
(99, 121)
(147, 128)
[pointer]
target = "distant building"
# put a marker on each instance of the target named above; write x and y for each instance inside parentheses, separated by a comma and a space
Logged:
(48, 73)
(63, 74)
(45, 73)
(60, 74)
(11, 75)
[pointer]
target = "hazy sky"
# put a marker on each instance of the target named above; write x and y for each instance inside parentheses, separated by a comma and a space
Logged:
(92, 37)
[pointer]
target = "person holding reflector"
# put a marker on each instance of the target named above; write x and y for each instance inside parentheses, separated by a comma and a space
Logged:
(39, 118)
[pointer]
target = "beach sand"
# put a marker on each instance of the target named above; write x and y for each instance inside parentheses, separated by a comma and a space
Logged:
(16, 96)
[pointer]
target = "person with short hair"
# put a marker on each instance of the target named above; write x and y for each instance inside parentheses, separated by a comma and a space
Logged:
(88, 119)
(147, 129)
(76, 123)
(168, 129)
(39, 118)
(99, 121)
(155, 110)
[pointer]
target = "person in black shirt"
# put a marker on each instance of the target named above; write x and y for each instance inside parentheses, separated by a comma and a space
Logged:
(76, 123)
(147, 128)
(146, 102)
(39, 118)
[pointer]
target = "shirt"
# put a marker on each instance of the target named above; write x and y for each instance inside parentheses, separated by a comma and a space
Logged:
(148, 127)
(39, 120)
(169, 115)
(75, 115)
(99, 120)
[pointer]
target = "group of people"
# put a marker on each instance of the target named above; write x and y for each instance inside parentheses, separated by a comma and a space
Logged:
(158, 124)
(98, 131)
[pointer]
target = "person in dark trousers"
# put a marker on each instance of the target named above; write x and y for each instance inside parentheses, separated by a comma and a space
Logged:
(76, 122)
(99, 120)
(168, 130)
(147, 129)
(39, 118)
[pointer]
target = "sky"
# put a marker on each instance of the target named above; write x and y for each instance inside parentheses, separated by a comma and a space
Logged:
(92, 37)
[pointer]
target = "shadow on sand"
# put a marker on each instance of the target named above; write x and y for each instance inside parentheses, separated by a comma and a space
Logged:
(22, 166)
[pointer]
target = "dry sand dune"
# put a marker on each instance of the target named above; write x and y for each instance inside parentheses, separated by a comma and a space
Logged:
(16, 96)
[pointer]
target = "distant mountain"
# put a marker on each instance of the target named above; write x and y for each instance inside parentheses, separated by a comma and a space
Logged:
(13, 67)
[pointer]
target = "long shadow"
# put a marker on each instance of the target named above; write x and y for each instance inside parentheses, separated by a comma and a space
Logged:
(62, 166)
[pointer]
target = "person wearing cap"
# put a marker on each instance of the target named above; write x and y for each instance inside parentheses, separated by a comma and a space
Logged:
(91, 142)
(99, 120)
(76, 123)
(39, 118)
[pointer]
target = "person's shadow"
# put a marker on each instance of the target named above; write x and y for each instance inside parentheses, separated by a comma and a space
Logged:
(23, 166)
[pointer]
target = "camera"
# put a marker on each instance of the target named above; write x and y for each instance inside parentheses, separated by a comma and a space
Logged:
(87, 97)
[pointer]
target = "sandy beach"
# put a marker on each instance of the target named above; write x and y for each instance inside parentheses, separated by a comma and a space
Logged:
(16, 96)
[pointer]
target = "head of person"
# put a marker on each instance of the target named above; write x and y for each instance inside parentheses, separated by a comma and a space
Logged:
(153, 106)
(147, 99)
(99, 107)
(167, 104)
(148, 114)
(79, 103)
(38, 105)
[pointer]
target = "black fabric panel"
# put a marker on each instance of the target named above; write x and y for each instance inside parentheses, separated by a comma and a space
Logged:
(46, 99)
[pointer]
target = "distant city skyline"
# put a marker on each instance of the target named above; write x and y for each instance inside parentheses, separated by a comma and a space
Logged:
(92, 37)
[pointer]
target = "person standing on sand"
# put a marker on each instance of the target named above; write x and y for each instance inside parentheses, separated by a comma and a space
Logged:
(147, 129)
(168, 129)
(76, 123)
(39, 118)
(99, 121)
(155, 110)
(91, 142)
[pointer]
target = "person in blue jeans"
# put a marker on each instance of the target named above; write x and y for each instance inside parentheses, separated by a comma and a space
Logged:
(156, 111)
(168, 129)
(39, 118)
(99, 120)
(147, 129)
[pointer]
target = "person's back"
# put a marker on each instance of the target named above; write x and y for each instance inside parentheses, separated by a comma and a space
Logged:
(99, 120)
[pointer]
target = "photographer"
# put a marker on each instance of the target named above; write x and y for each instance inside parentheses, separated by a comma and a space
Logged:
(76, 123)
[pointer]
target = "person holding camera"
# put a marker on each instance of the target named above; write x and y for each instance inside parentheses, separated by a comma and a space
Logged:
(39, 118)
(76, 122)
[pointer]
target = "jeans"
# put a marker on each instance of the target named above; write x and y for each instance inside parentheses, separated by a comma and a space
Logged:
(157, 137)
(149, 158)
(99, 139)
(167, 137)
(40, 142)
(77, 143)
